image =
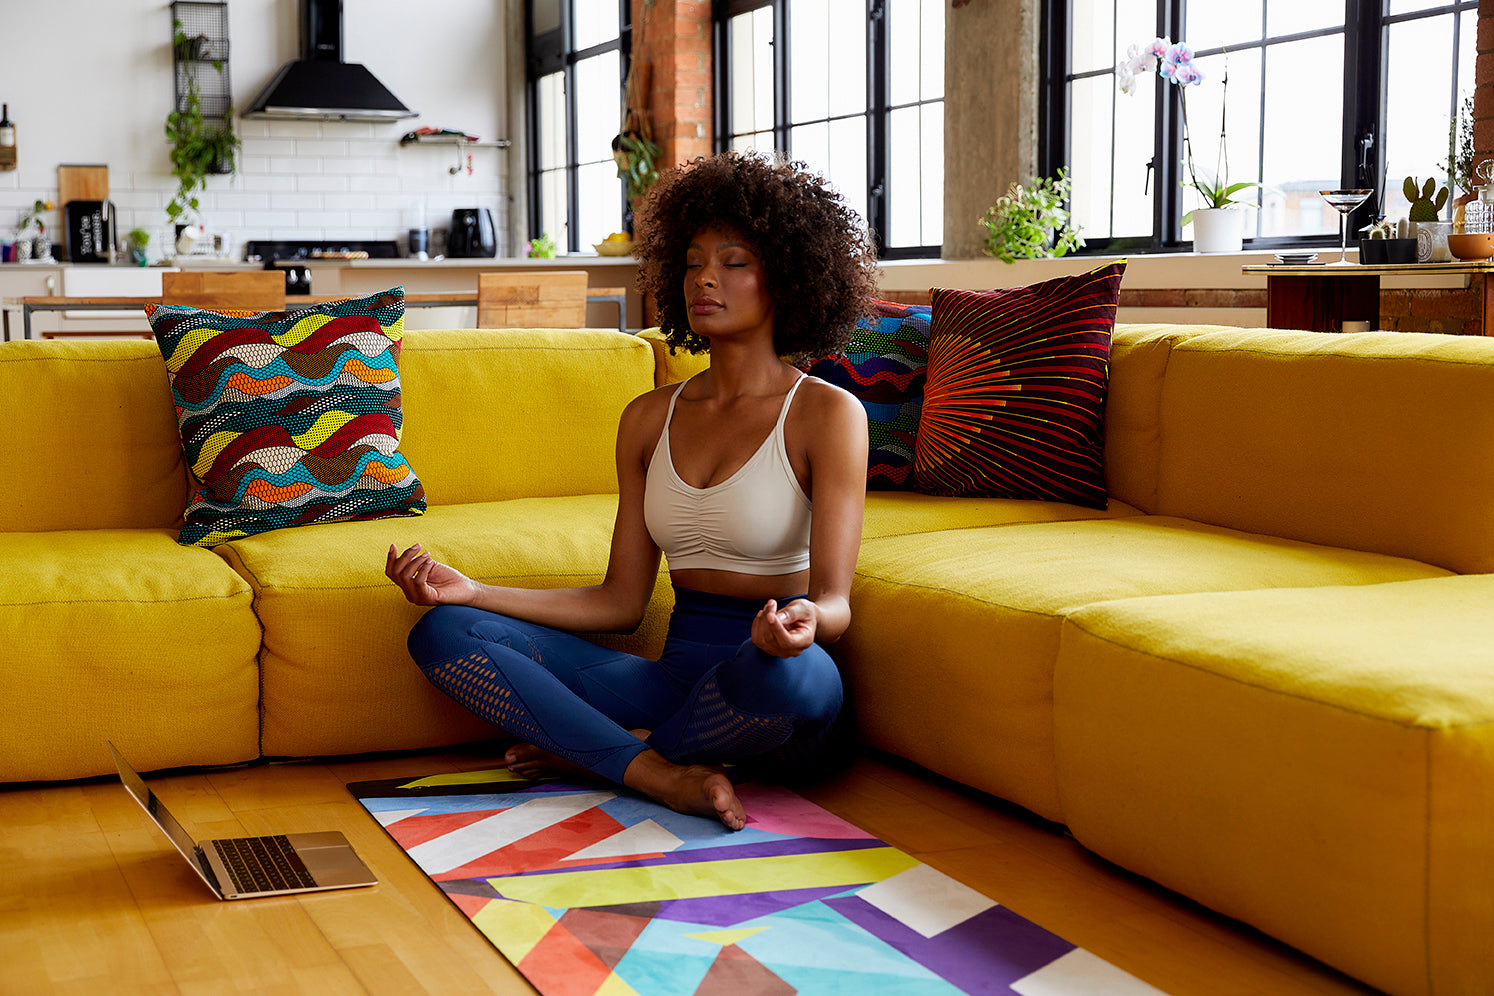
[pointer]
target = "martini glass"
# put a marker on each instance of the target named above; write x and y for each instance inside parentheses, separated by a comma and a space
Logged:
(1343, 202)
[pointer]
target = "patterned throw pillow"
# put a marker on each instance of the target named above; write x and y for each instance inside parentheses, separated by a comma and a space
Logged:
(1015, 400)
(884, 366)
(288, 418)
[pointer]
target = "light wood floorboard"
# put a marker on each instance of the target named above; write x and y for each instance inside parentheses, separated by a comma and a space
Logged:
(94, 900)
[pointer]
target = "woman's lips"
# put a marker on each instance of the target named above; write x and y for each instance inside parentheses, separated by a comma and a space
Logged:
(704, 306)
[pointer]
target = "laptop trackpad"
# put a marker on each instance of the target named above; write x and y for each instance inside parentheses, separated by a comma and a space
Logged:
(330, 859)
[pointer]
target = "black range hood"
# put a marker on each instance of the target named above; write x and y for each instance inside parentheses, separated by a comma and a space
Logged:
(319, 84)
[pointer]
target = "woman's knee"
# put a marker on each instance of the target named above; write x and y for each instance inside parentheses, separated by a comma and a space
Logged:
(443, 634)
(807, 686)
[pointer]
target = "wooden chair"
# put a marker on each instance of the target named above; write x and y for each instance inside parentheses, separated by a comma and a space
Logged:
(553, 299)
(256, 290)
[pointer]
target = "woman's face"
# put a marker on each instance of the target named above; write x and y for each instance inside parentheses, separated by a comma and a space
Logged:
(726, 289)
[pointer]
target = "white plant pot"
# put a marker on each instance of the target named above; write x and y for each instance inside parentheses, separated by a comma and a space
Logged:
(1217, 230)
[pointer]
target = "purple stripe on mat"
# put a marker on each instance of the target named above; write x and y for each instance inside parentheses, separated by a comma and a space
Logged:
(985, 954)
(727, 911)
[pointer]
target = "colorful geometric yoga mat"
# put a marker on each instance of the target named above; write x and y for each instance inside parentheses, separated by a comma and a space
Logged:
(588, 889)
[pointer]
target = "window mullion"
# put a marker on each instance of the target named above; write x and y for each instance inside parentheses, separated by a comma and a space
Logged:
(1364, 115)
(877, 120)
(1167, 205)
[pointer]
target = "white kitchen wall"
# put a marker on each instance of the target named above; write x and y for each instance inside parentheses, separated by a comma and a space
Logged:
(97, 88)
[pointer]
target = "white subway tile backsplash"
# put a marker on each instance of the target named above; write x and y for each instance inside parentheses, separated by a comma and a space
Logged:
(318, 182)
(294, 165)
(349, 202)
(320, 147)
(325, 219)
(237, 201)
(375, 184)
(296, 202)
(350, 166)
(272, 147)
(268, 182)
(293, 129)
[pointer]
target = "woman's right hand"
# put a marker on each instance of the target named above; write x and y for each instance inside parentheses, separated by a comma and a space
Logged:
(426, 581)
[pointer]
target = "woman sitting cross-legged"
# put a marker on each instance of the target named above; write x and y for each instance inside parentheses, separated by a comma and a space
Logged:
(749, 477)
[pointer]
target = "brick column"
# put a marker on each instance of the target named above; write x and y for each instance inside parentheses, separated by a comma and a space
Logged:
(672, 59)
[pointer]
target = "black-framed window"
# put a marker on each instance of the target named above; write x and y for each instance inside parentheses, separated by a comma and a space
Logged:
(577, 62)
(1322, 94)
(855, 89)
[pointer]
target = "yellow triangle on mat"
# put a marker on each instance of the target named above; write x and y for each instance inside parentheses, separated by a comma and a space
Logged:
(615, 986)
(466, 778)
(514, 928)
(725, 937)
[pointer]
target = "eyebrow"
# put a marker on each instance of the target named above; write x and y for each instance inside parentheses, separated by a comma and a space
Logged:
(725, 245)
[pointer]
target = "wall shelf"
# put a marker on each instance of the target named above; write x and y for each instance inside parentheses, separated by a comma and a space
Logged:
(199, 55)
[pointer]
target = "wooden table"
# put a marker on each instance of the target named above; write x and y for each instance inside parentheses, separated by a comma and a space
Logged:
(450, 299)
(1321, 297)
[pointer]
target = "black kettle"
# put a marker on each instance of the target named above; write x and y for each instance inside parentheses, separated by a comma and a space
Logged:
(471, 233)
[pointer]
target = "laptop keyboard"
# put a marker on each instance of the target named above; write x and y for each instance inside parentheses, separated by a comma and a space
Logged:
(263, 864)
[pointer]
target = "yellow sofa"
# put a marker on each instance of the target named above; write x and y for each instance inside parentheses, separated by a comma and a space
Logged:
(1263, 676)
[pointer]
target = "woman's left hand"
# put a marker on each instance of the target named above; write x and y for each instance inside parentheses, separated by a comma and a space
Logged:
(785, 632)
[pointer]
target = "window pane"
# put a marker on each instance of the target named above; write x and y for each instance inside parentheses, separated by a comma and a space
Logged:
(1090, 107)
(1418, 106)
(1092, 28)
(837, 150)
(915, 35)
(751, 40)
(827, 59)
(596, 22)
(553, 219)
(1212, 24)
(916, 176)
(1136, 24)
(1409, 6)
(598, 203)
(1285, 17)
(551, 98)
(1302, 153)
(598, 106)
(761, 142)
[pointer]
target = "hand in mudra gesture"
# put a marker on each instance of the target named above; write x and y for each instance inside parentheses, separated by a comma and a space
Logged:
(787, 631)
(425, 580)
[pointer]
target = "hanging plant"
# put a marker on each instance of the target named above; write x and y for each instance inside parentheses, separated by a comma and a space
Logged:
(637, 162)
(197, 149)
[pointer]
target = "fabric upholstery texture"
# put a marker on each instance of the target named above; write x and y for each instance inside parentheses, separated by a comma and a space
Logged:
(337, 676)
(493, 414)
(122, 634)
(885, 366)
(1369, 435)
(896, 513)
(1317, 745)
(929, 600)
(1015, 400)
(288, 418)
(94, 435)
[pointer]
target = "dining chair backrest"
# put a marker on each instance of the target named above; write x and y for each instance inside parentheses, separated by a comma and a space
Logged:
(554, 299)
(257, 290)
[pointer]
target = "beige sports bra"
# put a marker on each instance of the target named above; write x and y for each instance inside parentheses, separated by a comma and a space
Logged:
(754, 522)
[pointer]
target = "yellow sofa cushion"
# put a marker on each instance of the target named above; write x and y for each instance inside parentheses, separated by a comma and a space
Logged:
(496, 414)
(122, 634)
(337, 676)
(1309, 761)
(950, 662)
(896, 513)
(671, 369)
(95, 444)
(1375, 442)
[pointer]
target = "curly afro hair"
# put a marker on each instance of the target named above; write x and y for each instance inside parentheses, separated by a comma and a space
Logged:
(817, 260)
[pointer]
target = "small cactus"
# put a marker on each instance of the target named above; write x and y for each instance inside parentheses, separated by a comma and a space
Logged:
(1423, 207)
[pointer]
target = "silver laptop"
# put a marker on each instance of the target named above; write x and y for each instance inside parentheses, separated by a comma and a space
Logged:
(247, 867)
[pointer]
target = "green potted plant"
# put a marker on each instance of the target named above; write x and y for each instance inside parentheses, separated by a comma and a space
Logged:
(1031, 222)
(138, 239)
(198, 148)
(637, 161)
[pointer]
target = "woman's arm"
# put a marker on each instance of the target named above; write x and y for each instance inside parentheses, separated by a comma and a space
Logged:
(615, 605)
(836, 434)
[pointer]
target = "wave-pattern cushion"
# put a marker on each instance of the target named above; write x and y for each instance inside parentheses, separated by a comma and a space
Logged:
(288, 418)
(1015, 400)
(884, 366)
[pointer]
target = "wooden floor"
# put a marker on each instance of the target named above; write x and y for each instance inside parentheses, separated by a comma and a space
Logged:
(94, 900)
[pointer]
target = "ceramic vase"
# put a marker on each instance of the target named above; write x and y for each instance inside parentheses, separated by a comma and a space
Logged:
(1217, 230)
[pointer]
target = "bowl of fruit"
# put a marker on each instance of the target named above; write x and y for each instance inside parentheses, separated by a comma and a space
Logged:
(616, 244)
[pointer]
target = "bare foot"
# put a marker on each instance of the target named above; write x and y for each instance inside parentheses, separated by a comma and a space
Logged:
(695, 789)
(536, 762)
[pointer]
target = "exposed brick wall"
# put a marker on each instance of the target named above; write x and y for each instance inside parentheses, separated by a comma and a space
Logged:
(672, 54)
(1451, 311)
(1483, 85)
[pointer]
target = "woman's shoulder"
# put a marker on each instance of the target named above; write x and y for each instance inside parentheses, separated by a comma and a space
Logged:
(823, 400)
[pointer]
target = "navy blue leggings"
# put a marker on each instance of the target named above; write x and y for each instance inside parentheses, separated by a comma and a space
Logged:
(712, 696)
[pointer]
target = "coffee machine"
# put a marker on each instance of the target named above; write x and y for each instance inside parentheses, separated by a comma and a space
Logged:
(471, 233)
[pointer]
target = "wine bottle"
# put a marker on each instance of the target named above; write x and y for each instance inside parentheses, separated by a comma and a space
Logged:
(7, 139)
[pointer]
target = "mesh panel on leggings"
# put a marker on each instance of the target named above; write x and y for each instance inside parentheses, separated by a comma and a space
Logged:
(476, 683)
(716, 731)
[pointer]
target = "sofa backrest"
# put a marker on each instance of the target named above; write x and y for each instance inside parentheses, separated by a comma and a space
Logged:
(492, 414)
(93, 437)
(1380, 441)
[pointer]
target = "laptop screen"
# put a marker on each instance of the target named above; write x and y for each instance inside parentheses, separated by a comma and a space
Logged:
(152, 805)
